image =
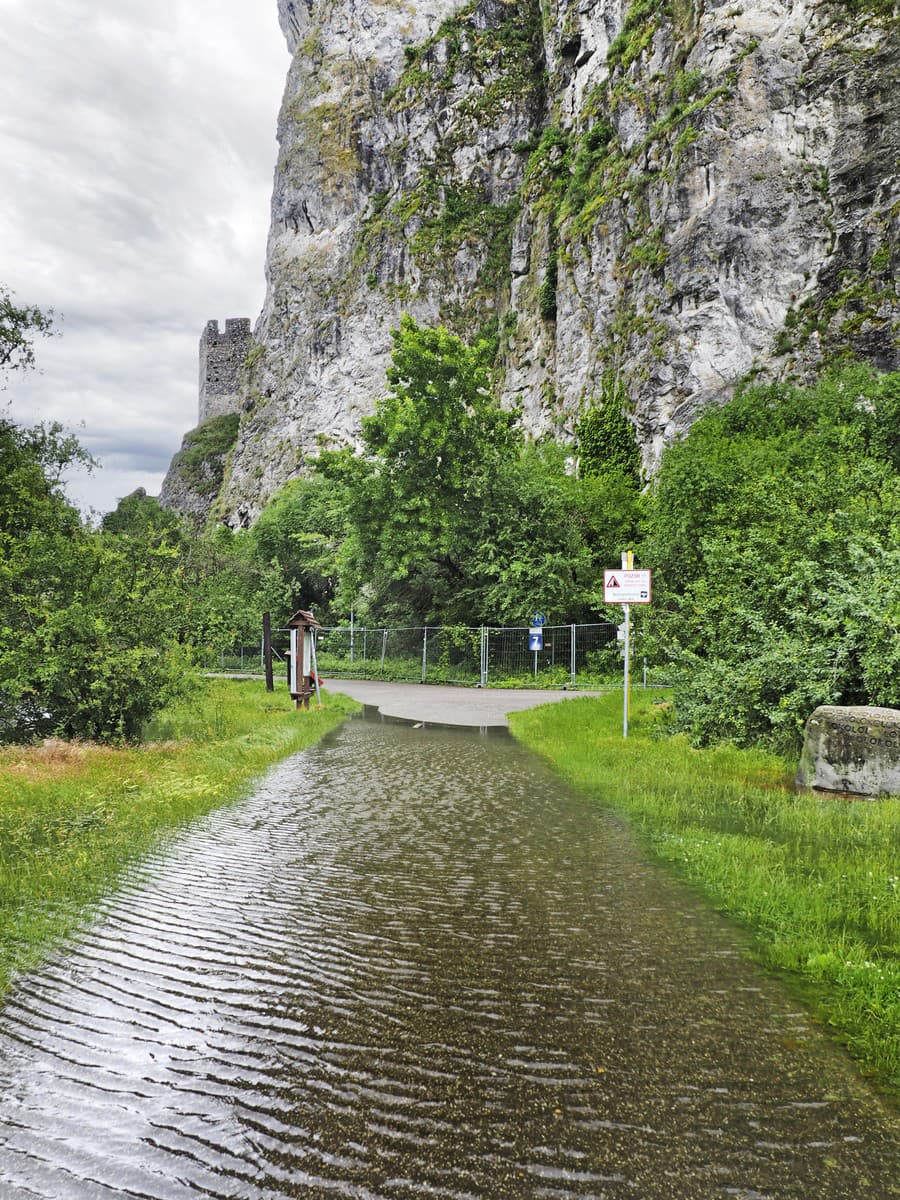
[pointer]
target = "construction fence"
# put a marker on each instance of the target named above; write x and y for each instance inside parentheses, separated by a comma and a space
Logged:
(573, 656)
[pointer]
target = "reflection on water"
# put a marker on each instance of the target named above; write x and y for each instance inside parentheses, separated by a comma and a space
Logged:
(414, 965)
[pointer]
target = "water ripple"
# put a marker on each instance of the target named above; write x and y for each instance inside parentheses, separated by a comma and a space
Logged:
(412, 964)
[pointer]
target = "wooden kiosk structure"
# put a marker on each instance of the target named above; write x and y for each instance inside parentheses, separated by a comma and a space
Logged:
(303, 677)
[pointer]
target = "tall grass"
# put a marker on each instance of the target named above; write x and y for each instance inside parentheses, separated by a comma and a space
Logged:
(74, 816)
(815, 879)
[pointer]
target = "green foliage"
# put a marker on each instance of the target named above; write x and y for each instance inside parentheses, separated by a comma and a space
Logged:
(774, 530)
(140, 515)
(201, 460)
(299, 537)
(88, 622)
(605, 438)
(547, 295)
(859, 300)
(878, 8)
(453, 518)
(502, 51)
(542, 543)
(433, 448)
(446, 212)
(636, 33)
(18, 326)
(590, 155)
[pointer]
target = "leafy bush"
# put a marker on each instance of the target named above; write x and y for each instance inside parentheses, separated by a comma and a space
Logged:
(89, 622)
(774, 530)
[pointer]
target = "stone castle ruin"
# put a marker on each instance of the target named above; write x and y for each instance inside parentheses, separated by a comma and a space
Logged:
(222, 357)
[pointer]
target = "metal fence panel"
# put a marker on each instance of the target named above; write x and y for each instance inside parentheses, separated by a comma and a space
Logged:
(571, 656)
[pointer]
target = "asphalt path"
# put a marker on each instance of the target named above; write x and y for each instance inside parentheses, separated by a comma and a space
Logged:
(434, 704)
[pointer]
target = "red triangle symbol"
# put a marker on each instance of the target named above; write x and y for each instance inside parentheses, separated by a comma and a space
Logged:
(613, 582)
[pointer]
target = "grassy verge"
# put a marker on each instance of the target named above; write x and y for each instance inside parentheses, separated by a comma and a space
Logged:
(816, 881)
(74, 816)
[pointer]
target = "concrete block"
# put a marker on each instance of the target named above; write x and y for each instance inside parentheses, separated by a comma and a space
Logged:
(852, 749)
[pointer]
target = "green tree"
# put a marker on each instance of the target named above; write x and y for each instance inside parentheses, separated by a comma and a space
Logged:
(18, 326)
(142, 516)
(224, 585)
(775, 533)
(298, 541)
(548, 537)
(452, 516)
(418, 497)
(88, 624)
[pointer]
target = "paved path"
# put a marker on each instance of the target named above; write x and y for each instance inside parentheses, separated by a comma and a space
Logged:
(413, 964)
(441, 705)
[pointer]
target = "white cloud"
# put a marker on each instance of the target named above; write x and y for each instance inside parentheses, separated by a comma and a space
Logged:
(138, 144)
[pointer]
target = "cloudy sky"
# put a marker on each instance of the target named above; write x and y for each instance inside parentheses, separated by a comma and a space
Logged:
(137, 148)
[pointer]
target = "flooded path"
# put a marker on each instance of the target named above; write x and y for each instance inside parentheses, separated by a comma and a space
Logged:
(413, 964)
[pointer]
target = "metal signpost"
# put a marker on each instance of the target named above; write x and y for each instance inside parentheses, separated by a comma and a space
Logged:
(536, 636)
(627, 587)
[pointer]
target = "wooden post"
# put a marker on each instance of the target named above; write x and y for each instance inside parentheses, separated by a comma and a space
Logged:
(302, 624)
(267, 652)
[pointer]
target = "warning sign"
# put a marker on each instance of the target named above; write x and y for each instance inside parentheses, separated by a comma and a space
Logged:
(626, 587)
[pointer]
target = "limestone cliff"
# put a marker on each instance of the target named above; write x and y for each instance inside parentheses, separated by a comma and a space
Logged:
(668, 193)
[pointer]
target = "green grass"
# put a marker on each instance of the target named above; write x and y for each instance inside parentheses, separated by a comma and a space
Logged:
(74, 817)
(815, 880)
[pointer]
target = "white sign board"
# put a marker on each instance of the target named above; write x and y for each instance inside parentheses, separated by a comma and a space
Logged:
(626, 587)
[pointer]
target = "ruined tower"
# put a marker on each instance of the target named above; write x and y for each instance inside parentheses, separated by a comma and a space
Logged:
(222, 356)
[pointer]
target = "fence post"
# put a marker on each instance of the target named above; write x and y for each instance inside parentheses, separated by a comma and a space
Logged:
(573, 655)
(483, 668)
(384, 638)
(424, 653)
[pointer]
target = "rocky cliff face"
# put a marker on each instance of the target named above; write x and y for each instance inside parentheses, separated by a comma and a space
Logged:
(667, 194)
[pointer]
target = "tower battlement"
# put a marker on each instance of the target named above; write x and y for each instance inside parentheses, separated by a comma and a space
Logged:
(222, 357)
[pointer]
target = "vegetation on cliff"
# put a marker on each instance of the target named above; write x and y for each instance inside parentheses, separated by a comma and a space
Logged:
(198, 469)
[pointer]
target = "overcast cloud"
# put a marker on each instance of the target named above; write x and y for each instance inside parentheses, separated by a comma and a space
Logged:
(137, 148)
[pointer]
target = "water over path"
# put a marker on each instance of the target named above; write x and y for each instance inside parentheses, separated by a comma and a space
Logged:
(413, 964)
